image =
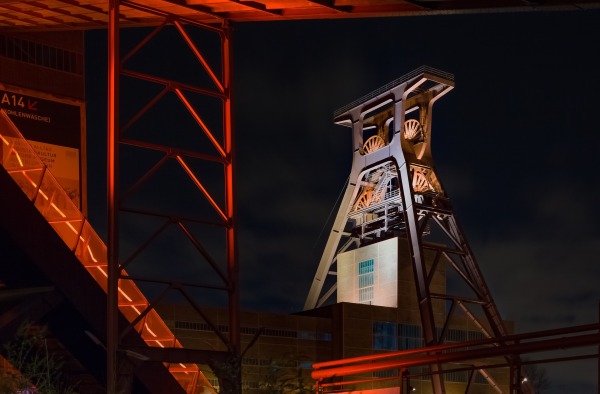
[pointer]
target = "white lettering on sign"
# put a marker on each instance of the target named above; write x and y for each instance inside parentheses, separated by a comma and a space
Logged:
(13, 100)
(12, 103)
(28, 115)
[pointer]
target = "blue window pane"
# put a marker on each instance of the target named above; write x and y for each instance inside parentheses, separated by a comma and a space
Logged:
(364, 267)
(385, 336)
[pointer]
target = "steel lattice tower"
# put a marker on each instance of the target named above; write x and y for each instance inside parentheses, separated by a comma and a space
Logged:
(393, 191)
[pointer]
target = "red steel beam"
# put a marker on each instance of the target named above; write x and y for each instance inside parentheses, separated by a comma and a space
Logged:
(511, 345)
(200, 122)
(198, 55)
(506, 350)
(451, 346)
(231, 236)
(112, 329)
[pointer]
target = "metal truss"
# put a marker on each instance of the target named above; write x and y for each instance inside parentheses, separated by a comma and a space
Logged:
(43, 15)
(155, 151)
(393, 191)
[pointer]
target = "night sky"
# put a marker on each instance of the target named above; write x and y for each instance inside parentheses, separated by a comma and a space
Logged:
(515, 145)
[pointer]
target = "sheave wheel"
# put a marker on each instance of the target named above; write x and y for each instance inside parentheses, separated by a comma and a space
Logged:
(412, 129)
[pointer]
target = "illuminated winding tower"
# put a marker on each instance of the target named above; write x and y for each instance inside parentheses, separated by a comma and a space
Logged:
(395, 241)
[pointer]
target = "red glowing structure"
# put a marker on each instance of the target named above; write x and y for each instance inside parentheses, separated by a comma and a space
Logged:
(182, 16)
(344, 375)
(217, 89)
(40, 186)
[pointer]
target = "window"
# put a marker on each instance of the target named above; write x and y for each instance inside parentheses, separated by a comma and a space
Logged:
(463, 377)
(411, 336)
(250, 361)
(309, 335)
(365, 281)
(324, 336)
(454, 335)
(198, 326)
(385, 336)
(387, 373)
(270, 332)
(410, 330)
(40, 54)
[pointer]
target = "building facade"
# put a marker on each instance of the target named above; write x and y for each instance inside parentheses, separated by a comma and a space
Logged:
(280, 349)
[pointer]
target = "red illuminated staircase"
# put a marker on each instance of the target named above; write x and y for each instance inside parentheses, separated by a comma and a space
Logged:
(64, 249)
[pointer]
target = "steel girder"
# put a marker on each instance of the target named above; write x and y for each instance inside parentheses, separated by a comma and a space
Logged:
(511, 346)
(221, 202)
(393, 191)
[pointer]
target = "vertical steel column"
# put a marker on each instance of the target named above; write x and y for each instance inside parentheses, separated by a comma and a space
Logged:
(403, 373)
(314, 298)
(413, 235)
(512, 378)
(226, 156)
(420, 273)
(112, 329)
(232, 257)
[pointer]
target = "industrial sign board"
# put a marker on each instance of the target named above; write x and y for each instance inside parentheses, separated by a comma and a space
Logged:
(54, 128)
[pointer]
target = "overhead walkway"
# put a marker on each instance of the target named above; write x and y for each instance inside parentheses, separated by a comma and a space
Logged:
(57, 246)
